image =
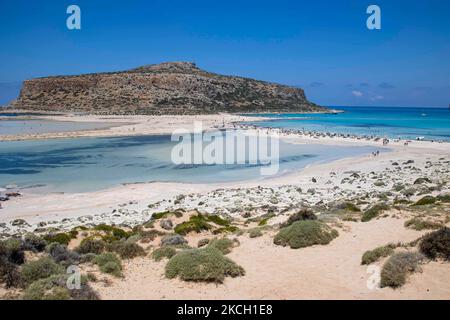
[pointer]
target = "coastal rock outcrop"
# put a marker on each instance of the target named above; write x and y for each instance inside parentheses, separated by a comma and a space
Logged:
(166, 88)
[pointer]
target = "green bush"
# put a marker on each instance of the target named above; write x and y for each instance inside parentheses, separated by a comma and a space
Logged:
(422, 180)
(376, 254)
(227, 229)
(444, 197)
(150, 235)
(109, 263)
(127, 250)
(374, 211)
(348, 206)
(218, 220)
(302, 215)
(165, 214)
(163, 252)
(62, 255)
(9, 273)
(91, 246)
(34, 243)
(224, 245)
(11, 250)
(255, 233)
(436, 244)
(419, 224)
(207, 264)
(87, 257)
(265, 219)
(62, 238)
(55, 288)
(45, 290)
(40, 269)
(304, 234)
(397, 267)
(425, 200)
(196, 223)
(112, 233)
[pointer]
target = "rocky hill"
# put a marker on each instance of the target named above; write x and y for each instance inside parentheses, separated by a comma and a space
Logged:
(167, 88)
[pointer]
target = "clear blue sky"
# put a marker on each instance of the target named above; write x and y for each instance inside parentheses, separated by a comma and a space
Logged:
(321, 45)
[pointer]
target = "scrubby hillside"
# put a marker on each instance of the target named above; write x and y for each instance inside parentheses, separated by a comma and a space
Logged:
(167, 88)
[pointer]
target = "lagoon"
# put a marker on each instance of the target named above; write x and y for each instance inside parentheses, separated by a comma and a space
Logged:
(90, 164)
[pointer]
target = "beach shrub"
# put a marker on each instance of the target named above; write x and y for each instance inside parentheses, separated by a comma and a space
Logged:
(163, 252)
(202, 243)
(165, 214)
(304, 234)
(150, 235)
(444, 198)
(127, 250)
(11, 250)
(109, 263)
(302, 215)
(374, 211)
(224, 245)
(62, 255)
(207, 264)
(376, 254)
(218, 220)
(422, 181)
(44, 289)
(419, 224)
(265, 219)
(112, 233)
(173, 240)
(227, 229)
(255, 233)
(9, 273)
(91, 246)
(34, 243)
(425, 200)
(397, 268)
(348, 206)
(196, 223)
(62, 238)
(436, 244)
(87, 257)
(55, 288)
(40, 269)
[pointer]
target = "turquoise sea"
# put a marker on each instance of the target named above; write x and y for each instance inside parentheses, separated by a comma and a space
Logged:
(88, 164)
(390, 122)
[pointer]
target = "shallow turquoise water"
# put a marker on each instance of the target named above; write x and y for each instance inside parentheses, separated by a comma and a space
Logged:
(406, 123)
(15, 127)
(88, 164)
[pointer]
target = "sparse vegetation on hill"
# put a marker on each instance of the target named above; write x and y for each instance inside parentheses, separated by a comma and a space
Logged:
(167, 88)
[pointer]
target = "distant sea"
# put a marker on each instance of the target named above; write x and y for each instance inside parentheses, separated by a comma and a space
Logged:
(390, 122)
